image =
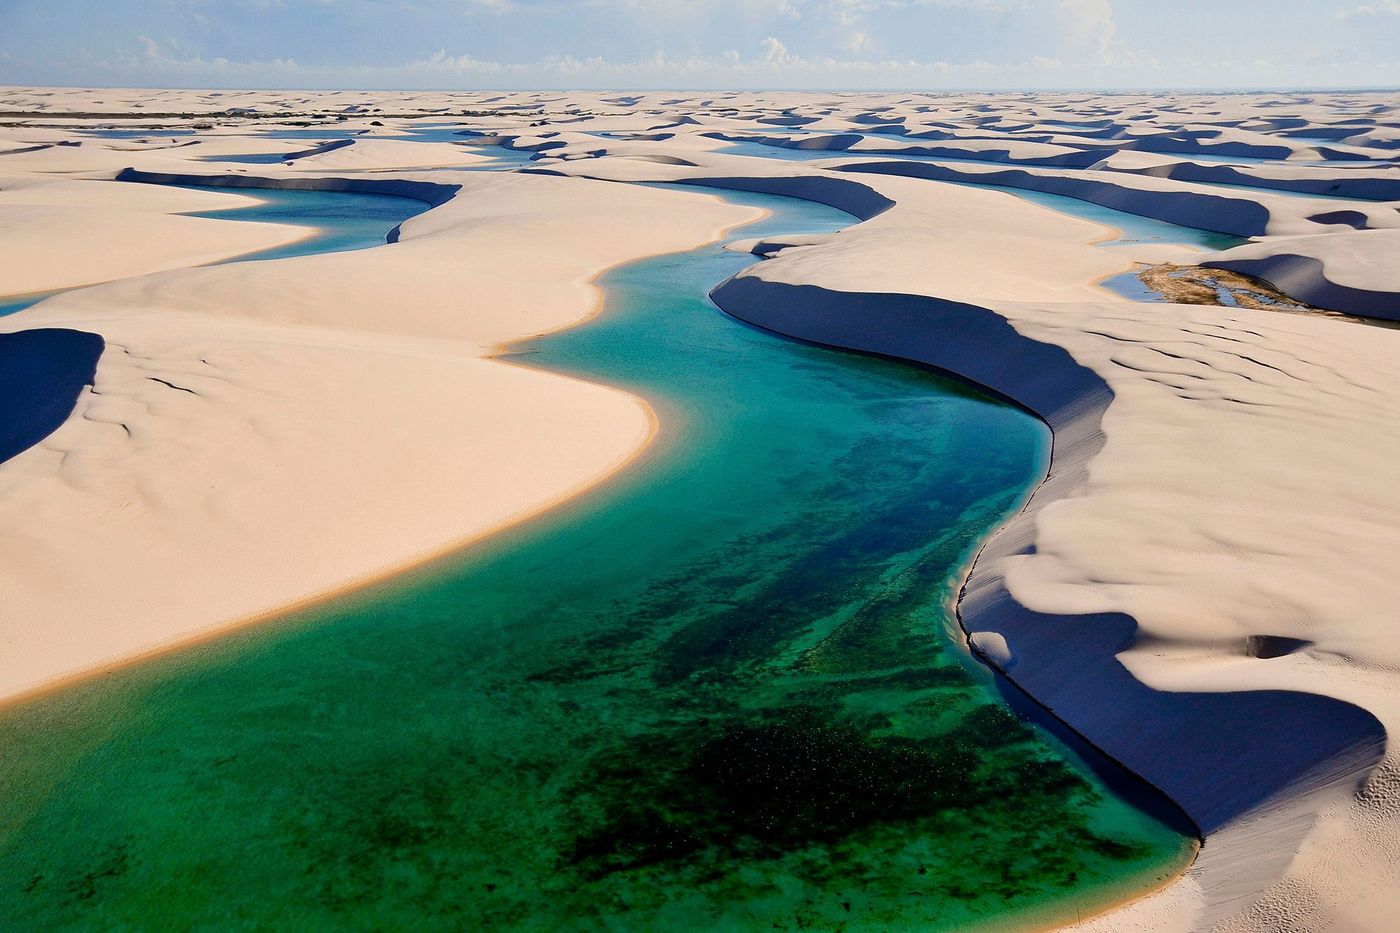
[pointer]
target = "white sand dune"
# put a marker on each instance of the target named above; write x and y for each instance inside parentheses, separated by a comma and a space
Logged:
(1202, 585)
(61, 234)
(266, 432)
(1367, 182)
(1223, 210)
(378, 155)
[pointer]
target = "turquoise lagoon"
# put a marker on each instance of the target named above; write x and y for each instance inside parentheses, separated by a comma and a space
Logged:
(343, 221)
(723, 691)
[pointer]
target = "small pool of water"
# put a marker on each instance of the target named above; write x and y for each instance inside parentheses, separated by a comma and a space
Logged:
(749, 147)
(1352, 163)
(13, 303)
(763, 150)
(1332, 140)
(317, 133)
(1306, 195)
(503, 157)
(1214, 157)
(163, 133)
(248, 158)
(424, 133)
(1130, 286)
(1133, 228)
(343, 221)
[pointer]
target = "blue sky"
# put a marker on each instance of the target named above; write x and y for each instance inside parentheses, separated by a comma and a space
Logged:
(856, 44)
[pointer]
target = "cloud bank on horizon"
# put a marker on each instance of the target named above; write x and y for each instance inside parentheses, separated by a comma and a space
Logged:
(709, 44)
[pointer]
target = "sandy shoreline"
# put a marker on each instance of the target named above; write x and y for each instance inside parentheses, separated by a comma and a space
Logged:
(415, 562)
(570, 296)
(407, 566)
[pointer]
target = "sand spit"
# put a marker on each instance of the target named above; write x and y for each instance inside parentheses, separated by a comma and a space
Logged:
(267, 431)
(62, 234)
(1201, 586)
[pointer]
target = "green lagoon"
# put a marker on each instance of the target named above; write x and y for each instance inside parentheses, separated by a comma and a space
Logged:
(723, 691)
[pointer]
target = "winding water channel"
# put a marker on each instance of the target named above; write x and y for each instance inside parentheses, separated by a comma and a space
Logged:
(719, 692)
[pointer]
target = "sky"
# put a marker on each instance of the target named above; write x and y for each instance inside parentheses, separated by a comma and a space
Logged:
(702, 44)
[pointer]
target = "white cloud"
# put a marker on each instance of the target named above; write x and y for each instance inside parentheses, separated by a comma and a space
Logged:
(490, 6)
(1095, 57)
(1092, 19)
(1085, 19)
(690, 11)
(1380, 8)
(773, 65)
(774, 52)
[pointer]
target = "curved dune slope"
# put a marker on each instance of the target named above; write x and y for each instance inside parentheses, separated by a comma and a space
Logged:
(1176, 591)
(1355, 273)
(248, 426)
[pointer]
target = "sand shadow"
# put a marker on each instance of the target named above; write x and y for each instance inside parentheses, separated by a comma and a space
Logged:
(42, 374)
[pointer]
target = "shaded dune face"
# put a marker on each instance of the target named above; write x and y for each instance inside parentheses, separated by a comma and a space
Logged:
(1238, 217)
(42, 374)
(1222, 757)
(1306, 277)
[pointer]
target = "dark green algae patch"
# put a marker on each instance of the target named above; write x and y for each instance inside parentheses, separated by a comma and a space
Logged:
(716, 694)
